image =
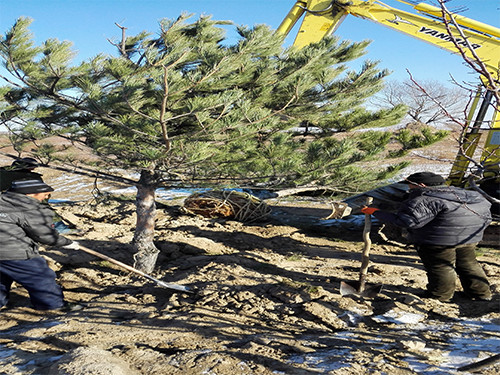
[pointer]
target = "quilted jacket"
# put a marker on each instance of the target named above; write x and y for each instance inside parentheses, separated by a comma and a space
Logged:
(441, 216)
(25, 222)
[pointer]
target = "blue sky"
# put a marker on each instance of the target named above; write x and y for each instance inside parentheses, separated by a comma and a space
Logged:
(90, 23)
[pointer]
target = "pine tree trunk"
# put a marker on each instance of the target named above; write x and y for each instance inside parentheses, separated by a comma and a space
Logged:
(146, 252)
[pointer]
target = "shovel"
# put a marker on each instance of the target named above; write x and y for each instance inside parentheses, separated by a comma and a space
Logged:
(175, 287)
(360, 289)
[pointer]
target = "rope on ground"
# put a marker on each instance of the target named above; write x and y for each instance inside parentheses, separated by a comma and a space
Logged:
(227, 204)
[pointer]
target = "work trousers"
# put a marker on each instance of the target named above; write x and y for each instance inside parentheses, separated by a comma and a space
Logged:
(36, 276)
(444, 263)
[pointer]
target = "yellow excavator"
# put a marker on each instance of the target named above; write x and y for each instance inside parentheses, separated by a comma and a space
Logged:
(460, 35)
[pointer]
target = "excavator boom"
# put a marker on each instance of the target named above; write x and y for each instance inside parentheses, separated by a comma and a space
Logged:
(323, 17)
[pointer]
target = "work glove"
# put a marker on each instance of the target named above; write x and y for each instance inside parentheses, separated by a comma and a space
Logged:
(369, 210)
(72, 246)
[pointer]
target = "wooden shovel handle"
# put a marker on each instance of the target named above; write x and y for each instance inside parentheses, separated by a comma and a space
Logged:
(132, 269)
(365, 258)
(117, 262)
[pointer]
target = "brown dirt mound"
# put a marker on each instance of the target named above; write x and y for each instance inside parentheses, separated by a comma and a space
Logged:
(267, 301)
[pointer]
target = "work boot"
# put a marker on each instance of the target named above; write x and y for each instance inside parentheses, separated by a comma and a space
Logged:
(481, 298)
(428, 294)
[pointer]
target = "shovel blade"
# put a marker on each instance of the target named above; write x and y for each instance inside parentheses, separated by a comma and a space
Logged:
(176, 287)
(347, 289)
(173, 287)
(372, 291)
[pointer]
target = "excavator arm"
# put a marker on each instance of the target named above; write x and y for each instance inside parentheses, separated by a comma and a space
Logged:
(323, 17)
(474, 39)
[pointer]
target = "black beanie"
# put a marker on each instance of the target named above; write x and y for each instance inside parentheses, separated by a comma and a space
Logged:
(30, 187)
(25, 163)
(426, 178)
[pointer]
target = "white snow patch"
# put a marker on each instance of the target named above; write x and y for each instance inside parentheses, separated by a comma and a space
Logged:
(475, 339)
(399, 317)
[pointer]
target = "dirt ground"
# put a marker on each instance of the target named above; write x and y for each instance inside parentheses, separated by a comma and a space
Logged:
(265, 300)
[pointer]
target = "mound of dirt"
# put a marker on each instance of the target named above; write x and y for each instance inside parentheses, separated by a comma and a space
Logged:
(265, 301)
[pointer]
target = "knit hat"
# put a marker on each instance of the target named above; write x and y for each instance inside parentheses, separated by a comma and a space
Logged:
(30, 187)
(25, 163)
(426, 178)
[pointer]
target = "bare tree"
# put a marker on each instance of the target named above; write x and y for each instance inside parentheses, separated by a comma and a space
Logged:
(490, 79)
(420, 108)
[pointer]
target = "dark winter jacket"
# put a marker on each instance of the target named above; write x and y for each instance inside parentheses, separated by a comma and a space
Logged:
(24, 222)
(441, 216)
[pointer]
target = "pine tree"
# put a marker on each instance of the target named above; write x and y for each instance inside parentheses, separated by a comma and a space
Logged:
(184, 107)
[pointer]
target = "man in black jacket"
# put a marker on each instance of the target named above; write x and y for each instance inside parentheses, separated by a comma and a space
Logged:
(24, 169)
(445, 224)
(24, 222)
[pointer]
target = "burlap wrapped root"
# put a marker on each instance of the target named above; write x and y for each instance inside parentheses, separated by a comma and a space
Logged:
(226, 204)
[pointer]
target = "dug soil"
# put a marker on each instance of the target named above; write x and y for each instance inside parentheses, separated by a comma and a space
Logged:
(264, 299)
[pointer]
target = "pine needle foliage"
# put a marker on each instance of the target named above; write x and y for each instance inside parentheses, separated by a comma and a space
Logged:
(189, 108)
(412, 140)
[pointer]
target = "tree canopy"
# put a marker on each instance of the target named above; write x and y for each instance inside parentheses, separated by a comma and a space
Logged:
(191, 108)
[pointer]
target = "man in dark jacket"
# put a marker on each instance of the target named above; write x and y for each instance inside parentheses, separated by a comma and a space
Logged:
(445, 224)
(24, 222)
(24, 169)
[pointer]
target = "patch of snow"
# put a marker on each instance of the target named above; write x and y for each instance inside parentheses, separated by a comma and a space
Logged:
(463, 347)
(352, 318)
(466, 346)
(399, 317)
(168, 194)
(6, 354)
(325, 361)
